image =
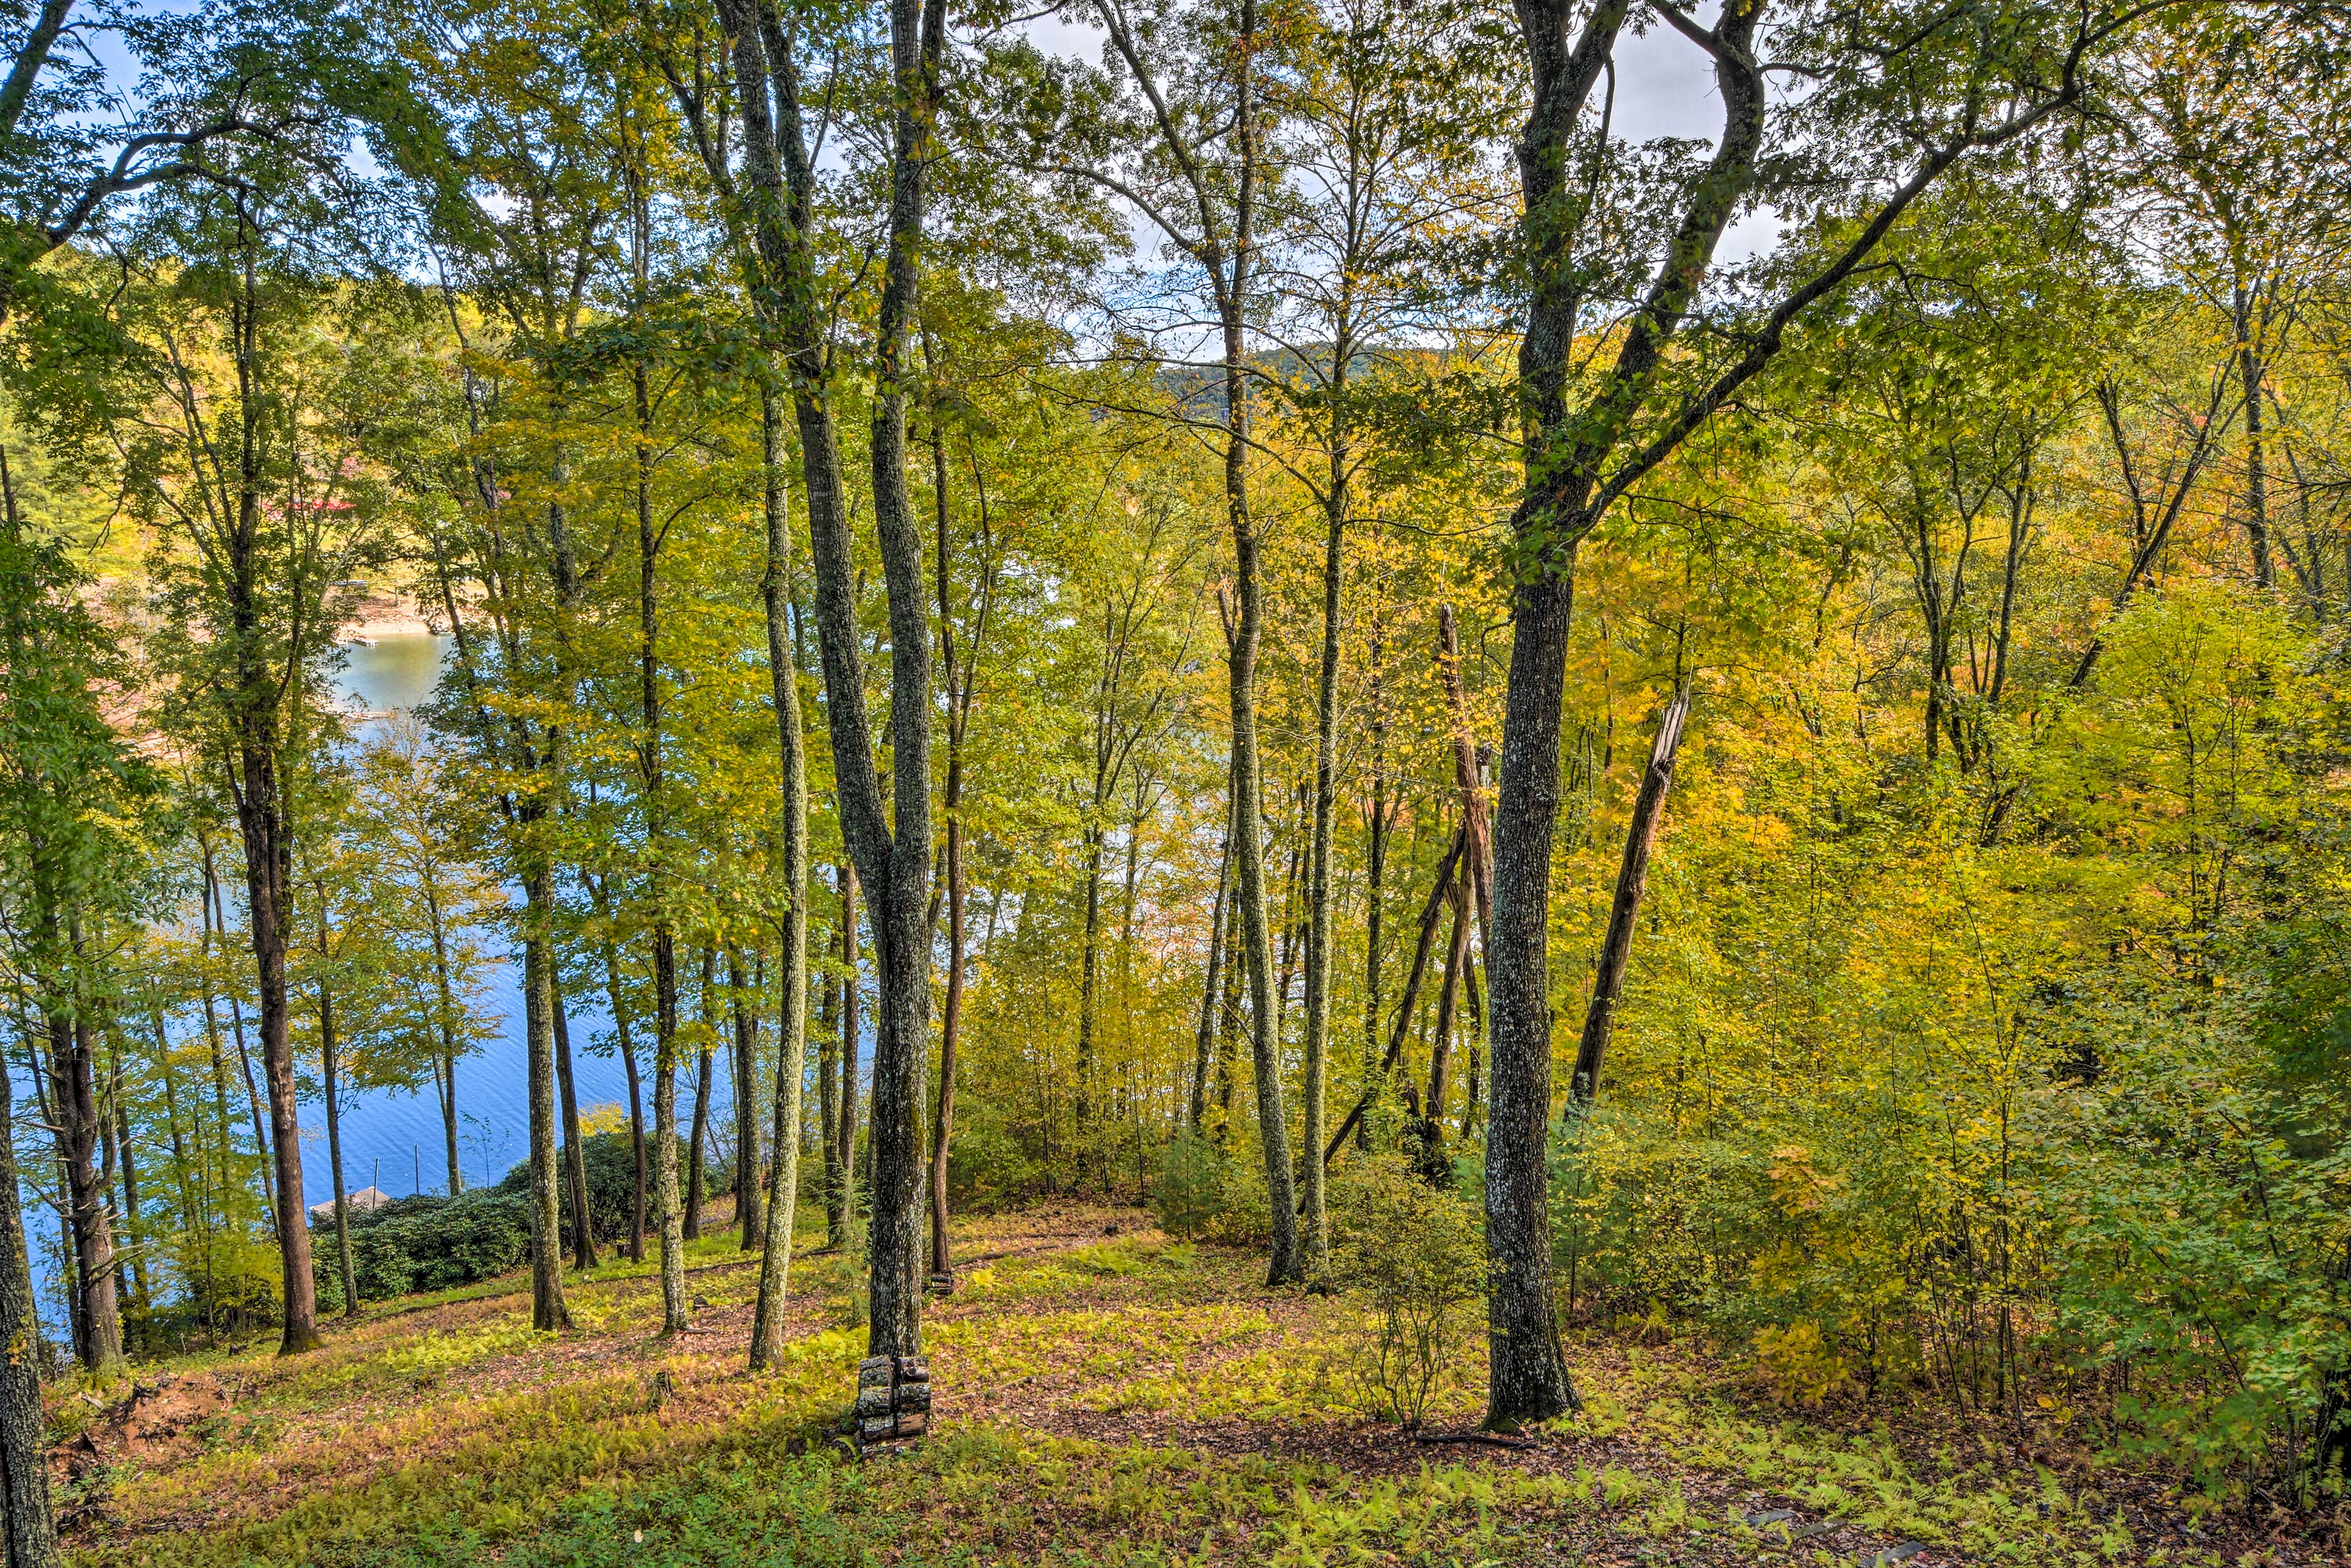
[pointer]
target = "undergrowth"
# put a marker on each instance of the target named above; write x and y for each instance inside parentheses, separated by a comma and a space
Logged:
(1116, 1401)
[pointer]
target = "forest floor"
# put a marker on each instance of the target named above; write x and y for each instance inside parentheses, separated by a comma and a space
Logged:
(1104, 1396)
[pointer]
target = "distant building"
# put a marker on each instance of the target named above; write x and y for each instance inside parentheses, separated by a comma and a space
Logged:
(367, 1200)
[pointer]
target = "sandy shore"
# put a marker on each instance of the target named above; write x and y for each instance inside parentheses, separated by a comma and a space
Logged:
(386, 615)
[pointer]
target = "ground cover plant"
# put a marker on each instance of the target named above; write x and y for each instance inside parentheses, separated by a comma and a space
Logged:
(1107, 1399)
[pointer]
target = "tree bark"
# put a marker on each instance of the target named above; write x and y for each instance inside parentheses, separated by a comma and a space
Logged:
(1205, 1041)
(549, 1311)
(575, 1155)
(701, 1087)
(958, 681)
(73, 1109)
(665, 1204)
(1313, 1231)
(844, 1135)
(617, 998)
(792, 1032)
(1440, 1046)
(28, 1536)
(750, 1208)
(329, 1050)
(1375, 862)
(1089, 1001)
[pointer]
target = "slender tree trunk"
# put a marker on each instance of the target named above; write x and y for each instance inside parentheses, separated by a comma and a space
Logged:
(73, 1109)
(665, 1195)
(1205, 1041)
(1313, 1238)
(268, 863)
(28, 1536)
(575, 1154)
(1082, 1140)
(446, 1026)
(1375, 862)
(2257, 477)
(791, 1031)
(828, 1094)
(1631, 880)
(449, 1123)
(1284, 1264)
(958, 682)
(628, 1051)
(1229, 1025)
(1441, 1044)
(701, 1126)
(549, 1311)
(1440, 894)
(328, 1050)
(131, 1217)
(844, 1137)
(750, 1209)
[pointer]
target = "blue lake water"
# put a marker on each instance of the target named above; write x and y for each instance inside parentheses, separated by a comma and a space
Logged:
(393, 1139)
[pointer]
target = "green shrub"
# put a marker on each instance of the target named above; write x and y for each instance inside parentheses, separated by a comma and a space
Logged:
(1418, 1257)
(426, 1243)
(610, 1159)
(1190, 1188)
(1244, 1212)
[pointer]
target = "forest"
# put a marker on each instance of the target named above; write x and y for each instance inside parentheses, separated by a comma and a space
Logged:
(1246, 780)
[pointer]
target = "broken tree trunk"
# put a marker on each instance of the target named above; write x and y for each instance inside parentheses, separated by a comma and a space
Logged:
(1632, 879)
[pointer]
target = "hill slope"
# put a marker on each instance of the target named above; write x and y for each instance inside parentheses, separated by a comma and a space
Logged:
(1104, 1397)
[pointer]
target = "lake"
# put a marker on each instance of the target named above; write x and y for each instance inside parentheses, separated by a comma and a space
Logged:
(387, 1132)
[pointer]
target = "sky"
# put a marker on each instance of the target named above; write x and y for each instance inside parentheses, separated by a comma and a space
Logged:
(1664, 86)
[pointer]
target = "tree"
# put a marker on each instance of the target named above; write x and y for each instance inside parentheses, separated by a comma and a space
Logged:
(1915, 94)
(248, 457)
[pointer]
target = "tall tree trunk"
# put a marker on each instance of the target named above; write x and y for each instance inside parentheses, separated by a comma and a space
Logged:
(1631, 880)
(1468, 776)
(214, 916)
(1440, 1043)
(445, 1068)
(1375, 862)
(548, 1311)
(844, 1133)
(892, 854)
(617, 1000)
(28, 1536)
(575, 1154)
(2257, 477)
(1527, 1373)
(131, 1217)
(958, 684)
(73, 1107)
(1205, 1042)
(701, 1087)
(828, 1117)
(1285, 1265)
(1082, 1140)
(328, 1050)
(268, 868)
(665, 1195)
(791, 1031)
(1314, 1237)
(750, 1208)
(1229, 1022)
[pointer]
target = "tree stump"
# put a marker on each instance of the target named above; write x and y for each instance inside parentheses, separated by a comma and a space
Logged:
(894, 1402)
